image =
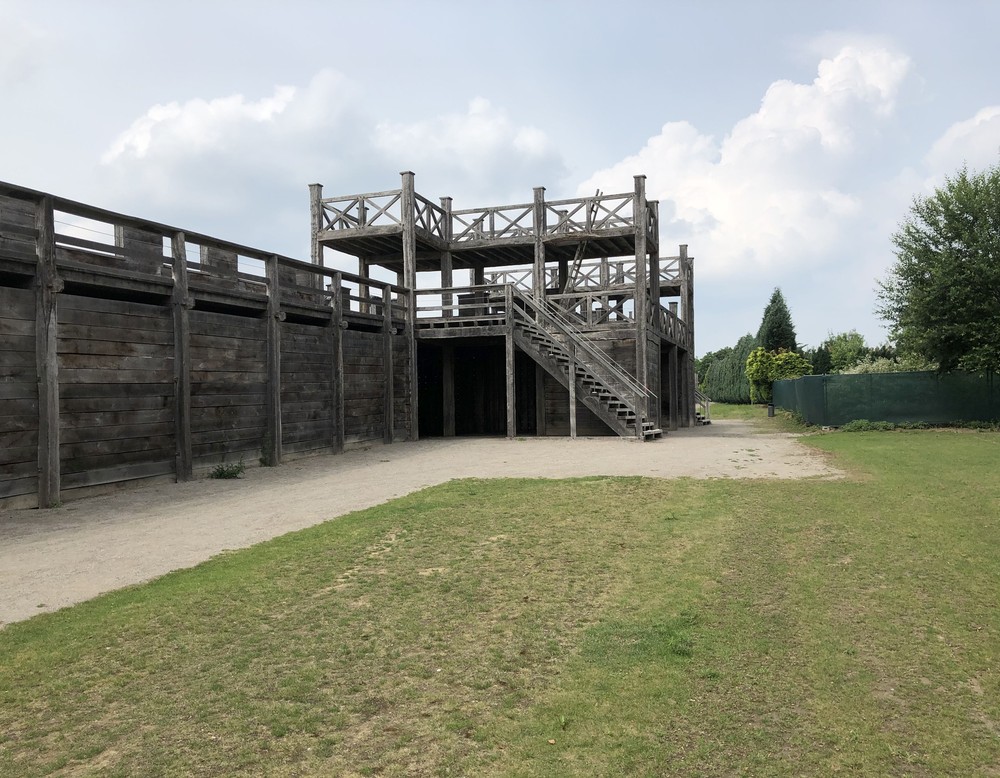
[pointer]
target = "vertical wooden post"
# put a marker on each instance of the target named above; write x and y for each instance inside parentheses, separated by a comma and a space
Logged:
(538, 268)
(364, 270)
(447, 275)
(540, 420)
(448, 390)
(687, 363)
(390, 421)
(316, 222)
(271, 446)
(572, 390)
(511, 410)
(337, 362)
(408, 218)
(673, 388)
(47, 287)
(640, 216)
(180, 305)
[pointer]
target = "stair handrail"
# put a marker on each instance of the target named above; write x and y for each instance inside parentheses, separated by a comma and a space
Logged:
(702, 399)
(616, 371)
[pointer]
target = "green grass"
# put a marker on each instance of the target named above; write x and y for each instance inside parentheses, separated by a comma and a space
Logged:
(601, 626)
(741, 412)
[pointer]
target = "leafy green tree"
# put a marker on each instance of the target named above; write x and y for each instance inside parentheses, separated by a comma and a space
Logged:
(846, 349)
(703, 365)
(726, 380)
(763, 368)
(820, 359)
(942, 295)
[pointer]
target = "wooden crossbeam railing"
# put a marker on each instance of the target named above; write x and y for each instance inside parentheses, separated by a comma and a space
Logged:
(509, 221)
(375, 209)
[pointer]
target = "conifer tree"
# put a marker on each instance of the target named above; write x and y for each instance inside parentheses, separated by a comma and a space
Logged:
(776, 329)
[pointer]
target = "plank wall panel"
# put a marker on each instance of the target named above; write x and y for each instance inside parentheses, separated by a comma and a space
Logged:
(18, 393)
(116, 392)
(306, 387)
(228, 355)
(401, 387)
(364, 386)
(557, 413)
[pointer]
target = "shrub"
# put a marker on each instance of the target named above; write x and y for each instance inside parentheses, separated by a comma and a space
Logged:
(228, 470)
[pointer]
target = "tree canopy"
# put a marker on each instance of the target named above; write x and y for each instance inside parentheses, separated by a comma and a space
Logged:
(725, 379)
(942, 295)
(776, 329)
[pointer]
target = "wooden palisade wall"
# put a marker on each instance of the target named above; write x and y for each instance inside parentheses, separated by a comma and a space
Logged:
(130, 349)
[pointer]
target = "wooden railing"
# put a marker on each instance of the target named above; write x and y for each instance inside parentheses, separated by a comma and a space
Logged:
(507, 221)
(587, 215)
(601, 364)
(89, 239)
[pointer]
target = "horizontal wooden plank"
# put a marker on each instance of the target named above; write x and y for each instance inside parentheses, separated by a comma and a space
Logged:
(111, 419)
(19, 415)
(233, 449)
(19, 447)
(24, 343)
(73, 462)
(224, 385)
(164, 365)
(117, 473)
(306, 446)
(13, 487)
(127, 322)
(17, 304)
(14, 359)
(20, 327)
(11, 389)
(254, 434)
(115, 405)
(73, 332)
(120, 348)
(111, 376)
(114, 389)
(83, 304)
(157, 446)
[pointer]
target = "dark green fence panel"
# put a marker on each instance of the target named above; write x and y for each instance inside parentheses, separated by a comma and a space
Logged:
(833, 400)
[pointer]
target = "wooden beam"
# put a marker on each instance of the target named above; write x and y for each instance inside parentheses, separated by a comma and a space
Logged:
(640, 217)
(47, 288)
(540, 400)
(407, 212)
(572, 390)
(271, 445)
(316, 222)
(180, 303)
(337, 362)
(447, 274)
(387, 332)
(538, 268)
(448, 389)
(511, 409)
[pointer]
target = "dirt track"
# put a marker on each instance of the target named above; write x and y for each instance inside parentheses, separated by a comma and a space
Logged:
(54, 558)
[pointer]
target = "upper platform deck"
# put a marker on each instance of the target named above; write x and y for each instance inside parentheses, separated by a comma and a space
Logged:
(372, 226)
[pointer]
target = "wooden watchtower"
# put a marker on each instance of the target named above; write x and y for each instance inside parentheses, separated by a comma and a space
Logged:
(565, 318)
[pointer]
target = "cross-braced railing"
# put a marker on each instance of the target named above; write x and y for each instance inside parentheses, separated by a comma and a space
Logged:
(375, 209)
(508, 221)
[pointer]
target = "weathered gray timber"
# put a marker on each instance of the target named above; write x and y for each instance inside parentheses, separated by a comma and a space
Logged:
(131, 349)
(587, 268)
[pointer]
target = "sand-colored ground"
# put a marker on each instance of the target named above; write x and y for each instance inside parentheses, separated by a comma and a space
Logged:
(53, 558)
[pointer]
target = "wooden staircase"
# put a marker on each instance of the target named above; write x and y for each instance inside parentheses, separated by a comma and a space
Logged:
(598, 382)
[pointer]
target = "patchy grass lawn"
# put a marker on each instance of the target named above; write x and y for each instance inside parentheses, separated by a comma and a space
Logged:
(601, 626)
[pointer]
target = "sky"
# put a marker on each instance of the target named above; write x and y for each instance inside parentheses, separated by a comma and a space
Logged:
(785, 141)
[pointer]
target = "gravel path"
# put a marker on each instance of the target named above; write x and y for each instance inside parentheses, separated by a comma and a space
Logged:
(53, 558)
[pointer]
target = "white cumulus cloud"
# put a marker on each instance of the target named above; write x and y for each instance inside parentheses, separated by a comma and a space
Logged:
(974, 141)
(775, 191)
(479, 151)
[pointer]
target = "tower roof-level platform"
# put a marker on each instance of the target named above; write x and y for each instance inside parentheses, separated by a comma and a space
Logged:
(371, 227)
